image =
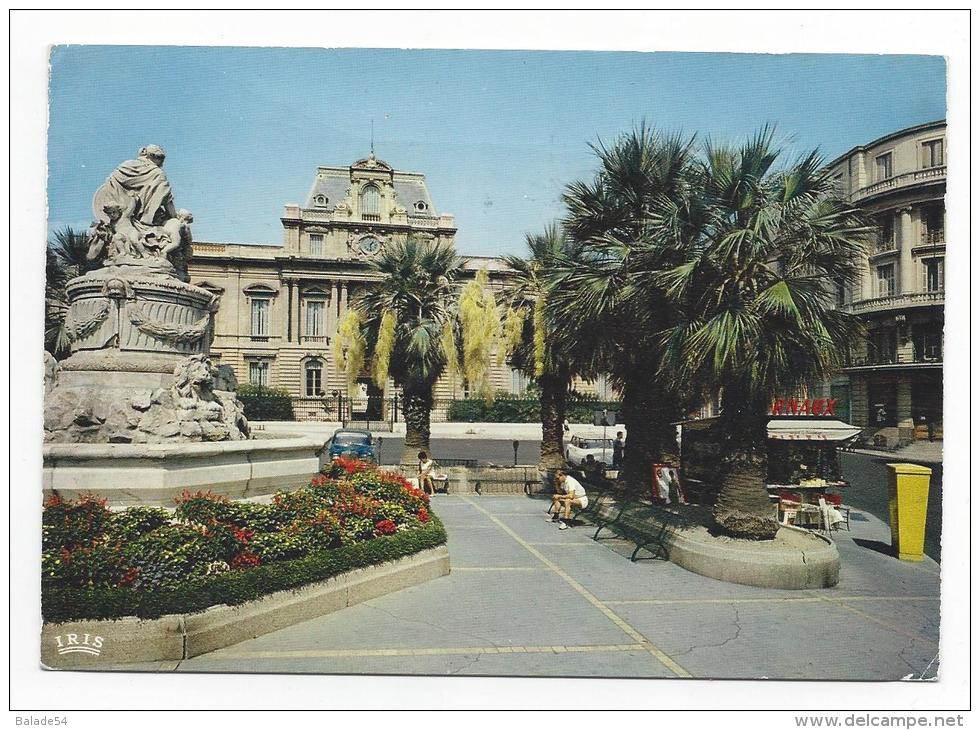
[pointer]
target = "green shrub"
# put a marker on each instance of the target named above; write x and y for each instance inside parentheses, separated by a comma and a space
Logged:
(266, 404)
(171, 554)
(60, 603)
(129, 524)
(505, 408)
(142, 550)
(69, 524)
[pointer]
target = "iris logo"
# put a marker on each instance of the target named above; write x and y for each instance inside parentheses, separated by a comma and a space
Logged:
(70, 644)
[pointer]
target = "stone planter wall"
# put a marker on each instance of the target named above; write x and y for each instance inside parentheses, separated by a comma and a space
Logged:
(93, 644)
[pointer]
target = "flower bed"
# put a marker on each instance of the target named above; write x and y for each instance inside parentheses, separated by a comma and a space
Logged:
(148, 561)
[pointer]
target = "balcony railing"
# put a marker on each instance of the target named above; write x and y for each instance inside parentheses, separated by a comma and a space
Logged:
(423, 222)
(884, 246)
(315, 339)
(933, 238)
(370, 217)
(208, 247)
(897, 301)
(929, 356)
(914, 177)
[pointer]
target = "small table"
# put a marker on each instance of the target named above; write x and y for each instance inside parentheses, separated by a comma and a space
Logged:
(806, 491)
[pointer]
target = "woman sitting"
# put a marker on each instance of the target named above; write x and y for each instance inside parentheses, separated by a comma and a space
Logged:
(426, 472)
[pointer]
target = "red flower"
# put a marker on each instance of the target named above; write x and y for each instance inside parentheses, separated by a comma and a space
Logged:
(245, 560)
(65, 555)
(350, 466)
(386, 527)
(54, 501)
(423, 514)
(128, 577)
(242, 534)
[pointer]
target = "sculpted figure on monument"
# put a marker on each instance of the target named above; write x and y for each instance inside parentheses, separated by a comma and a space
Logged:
(137, 223)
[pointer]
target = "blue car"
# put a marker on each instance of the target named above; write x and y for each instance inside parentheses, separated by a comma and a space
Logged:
(353, 443)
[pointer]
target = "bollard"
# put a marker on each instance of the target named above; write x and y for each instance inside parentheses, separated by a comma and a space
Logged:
(908, 497)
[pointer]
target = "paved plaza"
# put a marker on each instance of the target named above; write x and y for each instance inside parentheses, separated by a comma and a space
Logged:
(525, 599)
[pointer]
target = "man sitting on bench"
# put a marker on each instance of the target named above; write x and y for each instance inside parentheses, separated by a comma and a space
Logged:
(569, 493)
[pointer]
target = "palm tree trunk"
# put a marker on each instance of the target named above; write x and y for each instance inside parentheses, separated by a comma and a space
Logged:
(417, 404)
(554, 392)
(647, 414)
(743, 508)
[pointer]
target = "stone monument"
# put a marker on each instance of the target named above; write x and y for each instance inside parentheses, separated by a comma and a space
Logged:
(139, 371)
(137, 413)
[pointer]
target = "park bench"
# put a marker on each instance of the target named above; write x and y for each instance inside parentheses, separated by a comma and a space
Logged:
(639, 537)
(525, 481)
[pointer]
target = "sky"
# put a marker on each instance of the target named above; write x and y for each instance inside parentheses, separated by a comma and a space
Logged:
(498, 134)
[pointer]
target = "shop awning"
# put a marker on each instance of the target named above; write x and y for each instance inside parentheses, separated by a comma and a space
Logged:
(800, 429)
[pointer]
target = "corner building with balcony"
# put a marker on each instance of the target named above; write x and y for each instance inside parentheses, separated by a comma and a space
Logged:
(892, 385)
(281, 304)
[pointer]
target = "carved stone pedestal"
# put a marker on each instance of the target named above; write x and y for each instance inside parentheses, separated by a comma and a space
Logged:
(139, 371)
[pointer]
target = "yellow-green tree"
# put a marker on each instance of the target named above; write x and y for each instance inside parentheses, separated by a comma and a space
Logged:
(529, 339)
(411, 323)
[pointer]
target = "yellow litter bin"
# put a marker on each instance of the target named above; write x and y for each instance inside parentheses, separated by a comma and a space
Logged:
(907, 508)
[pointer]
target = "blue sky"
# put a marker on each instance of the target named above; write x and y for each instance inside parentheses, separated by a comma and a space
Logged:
(497, 133)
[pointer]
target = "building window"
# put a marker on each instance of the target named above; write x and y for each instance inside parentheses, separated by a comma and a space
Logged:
(884, 345)
(886, 280)
(420, 206)
(314, 318)
(316, 244)
(260, 317)
(883, 166)
(933, 220)
(258, 372)
(321, 200)
(927, 342)
(371, 202)
(886, 233)
(933, 274)
(932, 153)
(841, 293)
(518, 381)
(314, 378)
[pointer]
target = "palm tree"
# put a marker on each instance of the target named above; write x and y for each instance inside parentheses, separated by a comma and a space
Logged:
(755, 297)
(610, 296)
(65, 259)
(531, 341)
(400, 324)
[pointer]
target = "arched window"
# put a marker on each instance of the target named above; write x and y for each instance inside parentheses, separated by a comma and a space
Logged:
(313, 378)
(370, 201)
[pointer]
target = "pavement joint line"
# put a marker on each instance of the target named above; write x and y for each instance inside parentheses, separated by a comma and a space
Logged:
(433, 651)
(574, 543)
(772, 599)
(874, 619)
(492, 568)
(657, 653)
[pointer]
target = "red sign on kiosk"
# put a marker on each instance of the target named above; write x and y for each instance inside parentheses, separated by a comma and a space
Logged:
(804, 407)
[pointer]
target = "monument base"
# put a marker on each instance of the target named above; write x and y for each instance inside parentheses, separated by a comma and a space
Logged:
(155, 474)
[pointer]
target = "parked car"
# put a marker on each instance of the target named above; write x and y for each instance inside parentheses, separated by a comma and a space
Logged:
(352, 442)
(579, 447)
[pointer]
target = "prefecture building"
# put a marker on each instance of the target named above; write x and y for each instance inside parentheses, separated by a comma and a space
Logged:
(892, 385)
(281, 304)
